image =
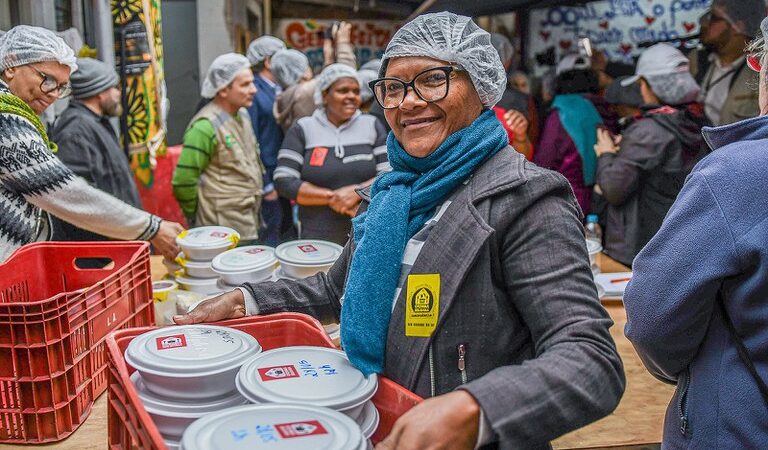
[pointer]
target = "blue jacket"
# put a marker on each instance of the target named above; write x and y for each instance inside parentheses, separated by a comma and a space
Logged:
(715, 236)
(267, 131)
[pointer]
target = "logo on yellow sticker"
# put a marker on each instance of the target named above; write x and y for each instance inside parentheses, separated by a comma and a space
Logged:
(422, 304)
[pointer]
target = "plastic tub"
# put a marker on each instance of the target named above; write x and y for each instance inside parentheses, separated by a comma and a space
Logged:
(191, 362)
(173, 416)
(204, 243)
(205, 286)
(306, 375)
(594, 248)
(197, 269)
(296, 427)
(304, 258)
(369, 420)
(252, 264)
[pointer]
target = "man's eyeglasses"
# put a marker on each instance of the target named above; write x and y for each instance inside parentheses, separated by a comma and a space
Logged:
(754, 62)
(709, 18)
(430, 85)
(49, 84)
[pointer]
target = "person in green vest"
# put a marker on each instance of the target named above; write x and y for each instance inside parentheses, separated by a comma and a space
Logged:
(218, 179)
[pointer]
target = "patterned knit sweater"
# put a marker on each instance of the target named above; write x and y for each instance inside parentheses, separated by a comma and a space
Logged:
(33, 181)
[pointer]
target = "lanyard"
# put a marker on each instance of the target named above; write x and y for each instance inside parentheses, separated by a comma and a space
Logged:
(710, 84)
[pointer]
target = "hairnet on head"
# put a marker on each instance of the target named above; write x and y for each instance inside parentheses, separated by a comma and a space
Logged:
(743, 15)
(288, 66)
(366, 76)
(374, 64)
(24, 44)
(263, 47)
(223, 70)
(330, 75)
(503, 46)
(455, 39)
(675, 88)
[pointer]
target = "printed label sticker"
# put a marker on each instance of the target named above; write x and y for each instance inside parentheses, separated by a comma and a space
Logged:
(278, 373)
(300, 429)
(174, 341)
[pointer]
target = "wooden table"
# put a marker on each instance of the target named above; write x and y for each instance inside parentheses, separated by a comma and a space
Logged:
(636, 423)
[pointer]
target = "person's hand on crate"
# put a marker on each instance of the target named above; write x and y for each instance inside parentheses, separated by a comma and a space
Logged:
(229, 305)
(447, 421)
(165, 239)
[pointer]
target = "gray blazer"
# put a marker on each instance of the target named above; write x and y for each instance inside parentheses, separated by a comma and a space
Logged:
(516, 292)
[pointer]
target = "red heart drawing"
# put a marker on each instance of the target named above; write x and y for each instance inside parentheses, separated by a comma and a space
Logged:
(689, 26)
(565, 45)
(649, 20)
(545, 34)
(603, 24)
(625, 48)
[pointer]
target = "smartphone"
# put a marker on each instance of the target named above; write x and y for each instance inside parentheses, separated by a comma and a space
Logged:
(329, 31)
(585, 46)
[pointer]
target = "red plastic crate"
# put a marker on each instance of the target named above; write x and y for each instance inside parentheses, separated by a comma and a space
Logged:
(130, 426)
(54, 317)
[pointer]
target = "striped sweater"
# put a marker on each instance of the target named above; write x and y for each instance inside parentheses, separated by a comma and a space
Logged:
(34, 182)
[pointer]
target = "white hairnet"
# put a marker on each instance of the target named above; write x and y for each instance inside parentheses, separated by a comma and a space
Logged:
(24, 44)
(365, 76)
(743, 15)
(456, 39)
(330, 75)
(288, 66)
(374, 64)
(675, 88)
(503, 46)
(263, 47)
(223, 70)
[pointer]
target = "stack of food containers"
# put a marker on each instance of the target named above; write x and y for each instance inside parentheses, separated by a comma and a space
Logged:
(314, 376)
(304, 258)
(250, 264)
(183, 373)
(200, 246)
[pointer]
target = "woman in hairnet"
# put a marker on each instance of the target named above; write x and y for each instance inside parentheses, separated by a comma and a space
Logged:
(467, 278)
(327, 156)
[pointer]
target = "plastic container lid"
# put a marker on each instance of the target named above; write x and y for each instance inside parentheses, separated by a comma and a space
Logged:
(274, 427)
(187, 409)
(307, 375)
(245, 259)
(208, 237)
(190, 350)
(193, 264)
(202, 282)
(308, 252)
(164, 286)
(369, 420)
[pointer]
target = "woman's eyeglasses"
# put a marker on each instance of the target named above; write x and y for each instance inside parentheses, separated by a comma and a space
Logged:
(430, 85)
(754, 62)
(49, 84)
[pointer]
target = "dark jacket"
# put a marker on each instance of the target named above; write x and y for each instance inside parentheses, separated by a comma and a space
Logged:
(642, 180)
(265, 127)
(88, 145)
(516, 290)
(713, 239)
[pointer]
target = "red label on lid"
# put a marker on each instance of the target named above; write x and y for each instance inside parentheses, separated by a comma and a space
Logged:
(174, 341)
(300, 429)
(278, 373)
(307, 248)
(254, 251)
(219, 234)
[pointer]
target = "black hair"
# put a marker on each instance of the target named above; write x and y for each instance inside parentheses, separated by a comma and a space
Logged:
(578, 81)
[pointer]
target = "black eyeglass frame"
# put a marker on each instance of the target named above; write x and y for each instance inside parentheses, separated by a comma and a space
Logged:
(447, 69)
(64, 89)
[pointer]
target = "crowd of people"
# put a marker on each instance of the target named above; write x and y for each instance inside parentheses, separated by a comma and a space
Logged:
(444, 170)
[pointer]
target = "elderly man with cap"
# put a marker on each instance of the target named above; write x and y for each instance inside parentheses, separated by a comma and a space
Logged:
(640, 172)
(219, 177)
(88, 144)
(727, 86)
(35, 66)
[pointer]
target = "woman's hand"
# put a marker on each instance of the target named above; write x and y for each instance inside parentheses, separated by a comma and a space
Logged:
(343, 33)
(229, 305)
(345, 200)
(448, 421)
(517, 122)
(606, 143)
(165, 239)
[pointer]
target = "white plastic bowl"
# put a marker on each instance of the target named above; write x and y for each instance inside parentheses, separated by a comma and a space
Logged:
(197, 269)
(369, 419)
(191, 362)
(306, 375)
(205, 286)
(173, 416)
(295, 427)
(250, 264)
(204, 243)
(304, 258)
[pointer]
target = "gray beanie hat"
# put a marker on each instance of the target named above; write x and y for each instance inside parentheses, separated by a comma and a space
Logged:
(92, 77)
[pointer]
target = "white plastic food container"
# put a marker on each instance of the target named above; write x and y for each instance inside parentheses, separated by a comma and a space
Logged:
(594, 248)
(204, 243)
(191, 362)
(196, 269)
(369, 419)
(205, 286)
(279, 275)
(304, 258)
(250, 264)
(274, 427)
(306, 375)
(173, 416)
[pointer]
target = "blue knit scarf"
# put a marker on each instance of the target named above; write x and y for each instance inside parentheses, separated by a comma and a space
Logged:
(402, 201)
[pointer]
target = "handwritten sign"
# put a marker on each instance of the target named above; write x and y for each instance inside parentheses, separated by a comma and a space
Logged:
(370, 38)
(614, 26)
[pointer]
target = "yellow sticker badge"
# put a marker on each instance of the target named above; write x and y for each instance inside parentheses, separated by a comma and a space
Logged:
(422, 304)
